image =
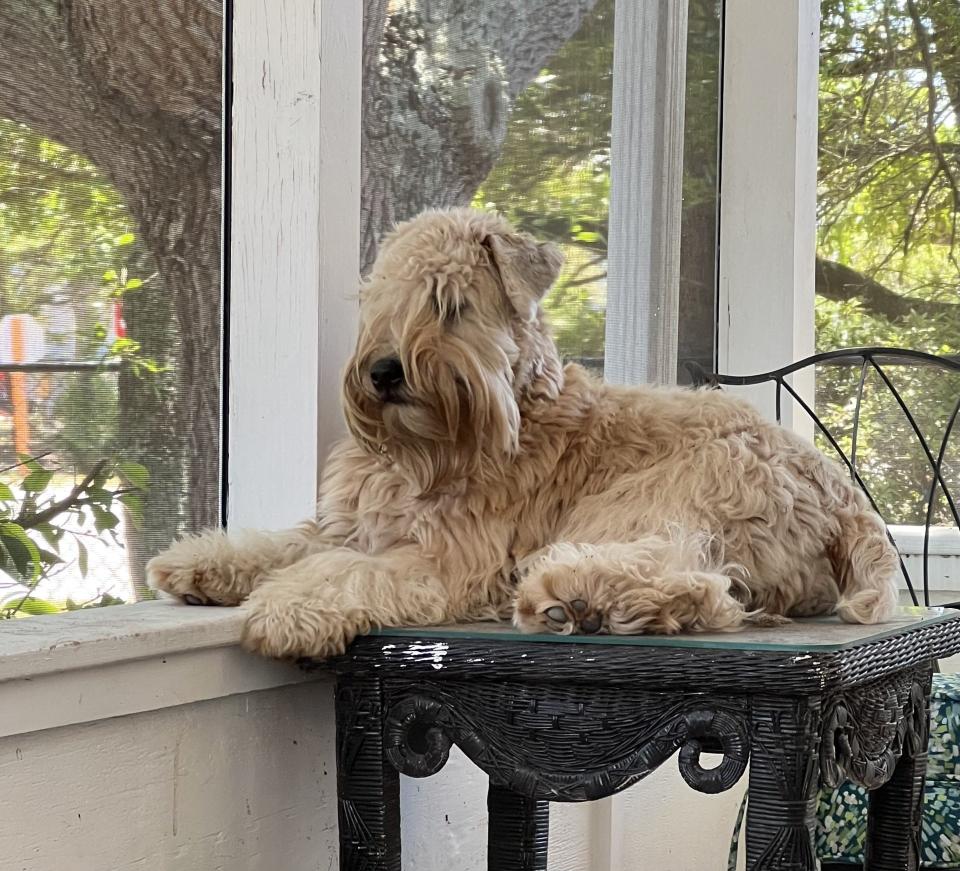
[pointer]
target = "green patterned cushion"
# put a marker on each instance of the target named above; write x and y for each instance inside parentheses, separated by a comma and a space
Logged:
(843, 811)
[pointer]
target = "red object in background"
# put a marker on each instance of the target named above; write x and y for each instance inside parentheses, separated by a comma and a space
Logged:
(119, 324)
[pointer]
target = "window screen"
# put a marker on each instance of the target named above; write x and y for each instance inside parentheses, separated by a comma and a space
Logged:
(110, 309)
(888, 246)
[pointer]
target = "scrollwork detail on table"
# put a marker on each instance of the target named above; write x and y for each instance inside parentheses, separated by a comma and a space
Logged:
(867, 729)
(734, 740)
(416, 742)
(421, 728)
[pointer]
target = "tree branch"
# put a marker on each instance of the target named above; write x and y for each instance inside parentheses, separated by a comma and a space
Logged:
(923, 40)
(870, 64)
(30, 521)
(841, 283)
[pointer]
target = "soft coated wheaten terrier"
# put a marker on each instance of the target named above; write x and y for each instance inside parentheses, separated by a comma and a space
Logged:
(482, 479)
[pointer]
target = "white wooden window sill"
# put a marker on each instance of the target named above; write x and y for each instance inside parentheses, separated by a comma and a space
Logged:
(109, 662)
(944, 566)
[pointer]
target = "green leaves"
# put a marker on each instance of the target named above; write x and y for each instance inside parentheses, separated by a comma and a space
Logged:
(32, 606)
(83, 558)
(22, 551)
(54, 506)
(135, 474)
(37, 481)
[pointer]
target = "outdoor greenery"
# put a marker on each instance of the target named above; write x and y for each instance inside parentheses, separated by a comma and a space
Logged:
(889, 197)
(553, 176)
(68, 242)
(38, 525)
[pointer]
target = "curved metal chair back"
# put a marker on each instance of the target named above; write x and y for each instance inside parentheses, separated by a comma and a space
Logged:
(879, 362)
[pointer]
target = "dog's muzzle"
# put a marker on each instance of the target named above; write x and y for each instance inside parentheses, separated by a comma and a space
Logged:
(386, 375)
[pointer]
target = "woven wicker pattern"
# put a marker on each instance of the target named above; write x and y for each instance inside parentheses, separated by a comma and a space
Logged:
(576, 722)
(842, 828)
(518, 827)
(368, 787)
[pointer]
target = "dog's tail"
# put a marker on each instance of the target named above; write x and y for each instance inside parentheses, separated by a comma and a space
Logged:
(865, 564)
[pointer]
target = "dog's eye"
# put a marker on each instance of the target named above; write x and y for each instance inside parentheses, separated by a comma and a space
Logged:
(449, 313)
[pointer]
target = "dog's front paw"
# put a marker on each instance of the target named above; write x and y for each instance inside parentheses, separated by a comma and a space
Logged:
(552, 598)
(199, 570)
(291, 624)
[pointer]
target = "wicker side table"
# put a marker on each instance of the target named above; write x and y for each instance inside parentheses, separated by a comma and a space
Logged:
(577, 719)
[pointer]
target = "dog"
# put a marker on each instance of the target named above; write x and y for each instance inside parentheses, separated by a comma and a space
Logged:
(482, 480)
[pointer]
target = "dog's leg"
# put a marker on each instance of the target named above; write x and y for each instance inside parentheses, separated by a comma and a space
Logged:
(865, 564)
(653, 586)
(315, 607)
(214, 568)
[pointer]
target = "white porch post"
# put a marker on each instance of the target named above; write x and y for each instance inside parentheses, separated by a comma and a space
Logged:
(294, 238)
(646, 160)
(769, 186)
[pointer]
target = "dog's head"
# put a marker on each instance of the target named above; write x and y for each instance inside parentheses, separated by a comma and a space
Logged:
(452, 345)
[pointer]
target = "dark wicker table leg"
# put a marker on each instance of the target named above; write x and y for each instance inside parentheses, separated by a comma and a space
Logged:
(368, 787)
(517, 839)
(784, 778)
(896, 808)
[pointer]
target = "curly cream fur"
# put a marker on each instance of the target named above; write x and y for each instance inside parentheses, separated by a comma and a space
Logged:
(505, 485)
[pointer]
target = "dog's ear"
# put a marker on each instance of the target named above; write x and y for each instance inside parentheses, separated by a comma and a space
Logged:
(527, 268)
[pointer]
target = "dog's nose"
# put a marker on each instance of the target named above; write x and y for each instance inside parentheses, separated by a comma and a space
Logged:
(386, 375)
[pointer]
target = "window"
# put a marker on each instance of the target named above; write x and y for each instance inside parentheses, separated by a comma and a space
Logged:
(887, 269)
(110, 302)
(527, 115)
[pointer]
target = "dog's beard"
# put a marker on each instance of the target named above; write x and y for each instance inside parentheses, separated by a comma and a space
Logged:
(456, 418)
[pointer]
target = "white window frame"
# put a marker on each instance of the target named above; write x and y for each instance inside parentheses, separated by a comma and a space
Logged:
(646, 184)
(769, 190)
(295, 241)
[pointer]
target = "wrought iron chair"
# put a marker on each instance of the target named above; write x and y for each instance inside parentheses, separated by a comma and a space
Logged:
(927, 402)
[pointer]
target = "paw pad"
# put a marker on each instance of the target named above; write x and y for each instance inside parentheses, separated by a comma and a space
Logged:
(575, 617)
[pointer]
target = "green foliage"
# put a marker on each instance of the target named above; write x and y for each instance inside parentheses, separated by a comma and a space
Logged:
(70, 250)
(60, 222)
(65, 233)
(85, 415)
(888, 204)
(889, 166)
(553, 176)
(40, 510)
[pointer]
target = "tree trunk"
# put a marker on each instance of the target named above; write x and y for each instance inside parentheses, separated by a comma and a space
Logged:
(135, 87)
(183, 233)
(439, 79)
(147, 423)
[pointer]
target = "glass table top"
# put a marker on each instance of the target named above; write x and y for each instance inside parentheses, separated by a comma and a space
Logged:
(821, 634)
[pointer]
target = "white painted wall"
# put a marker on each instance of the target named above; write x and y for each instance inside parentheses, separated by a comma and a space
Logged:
(659, 823)
(243, 783)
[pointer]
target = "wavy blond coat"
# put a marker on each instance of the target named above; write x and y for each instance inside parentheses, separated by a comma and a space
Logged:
(496, 483)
